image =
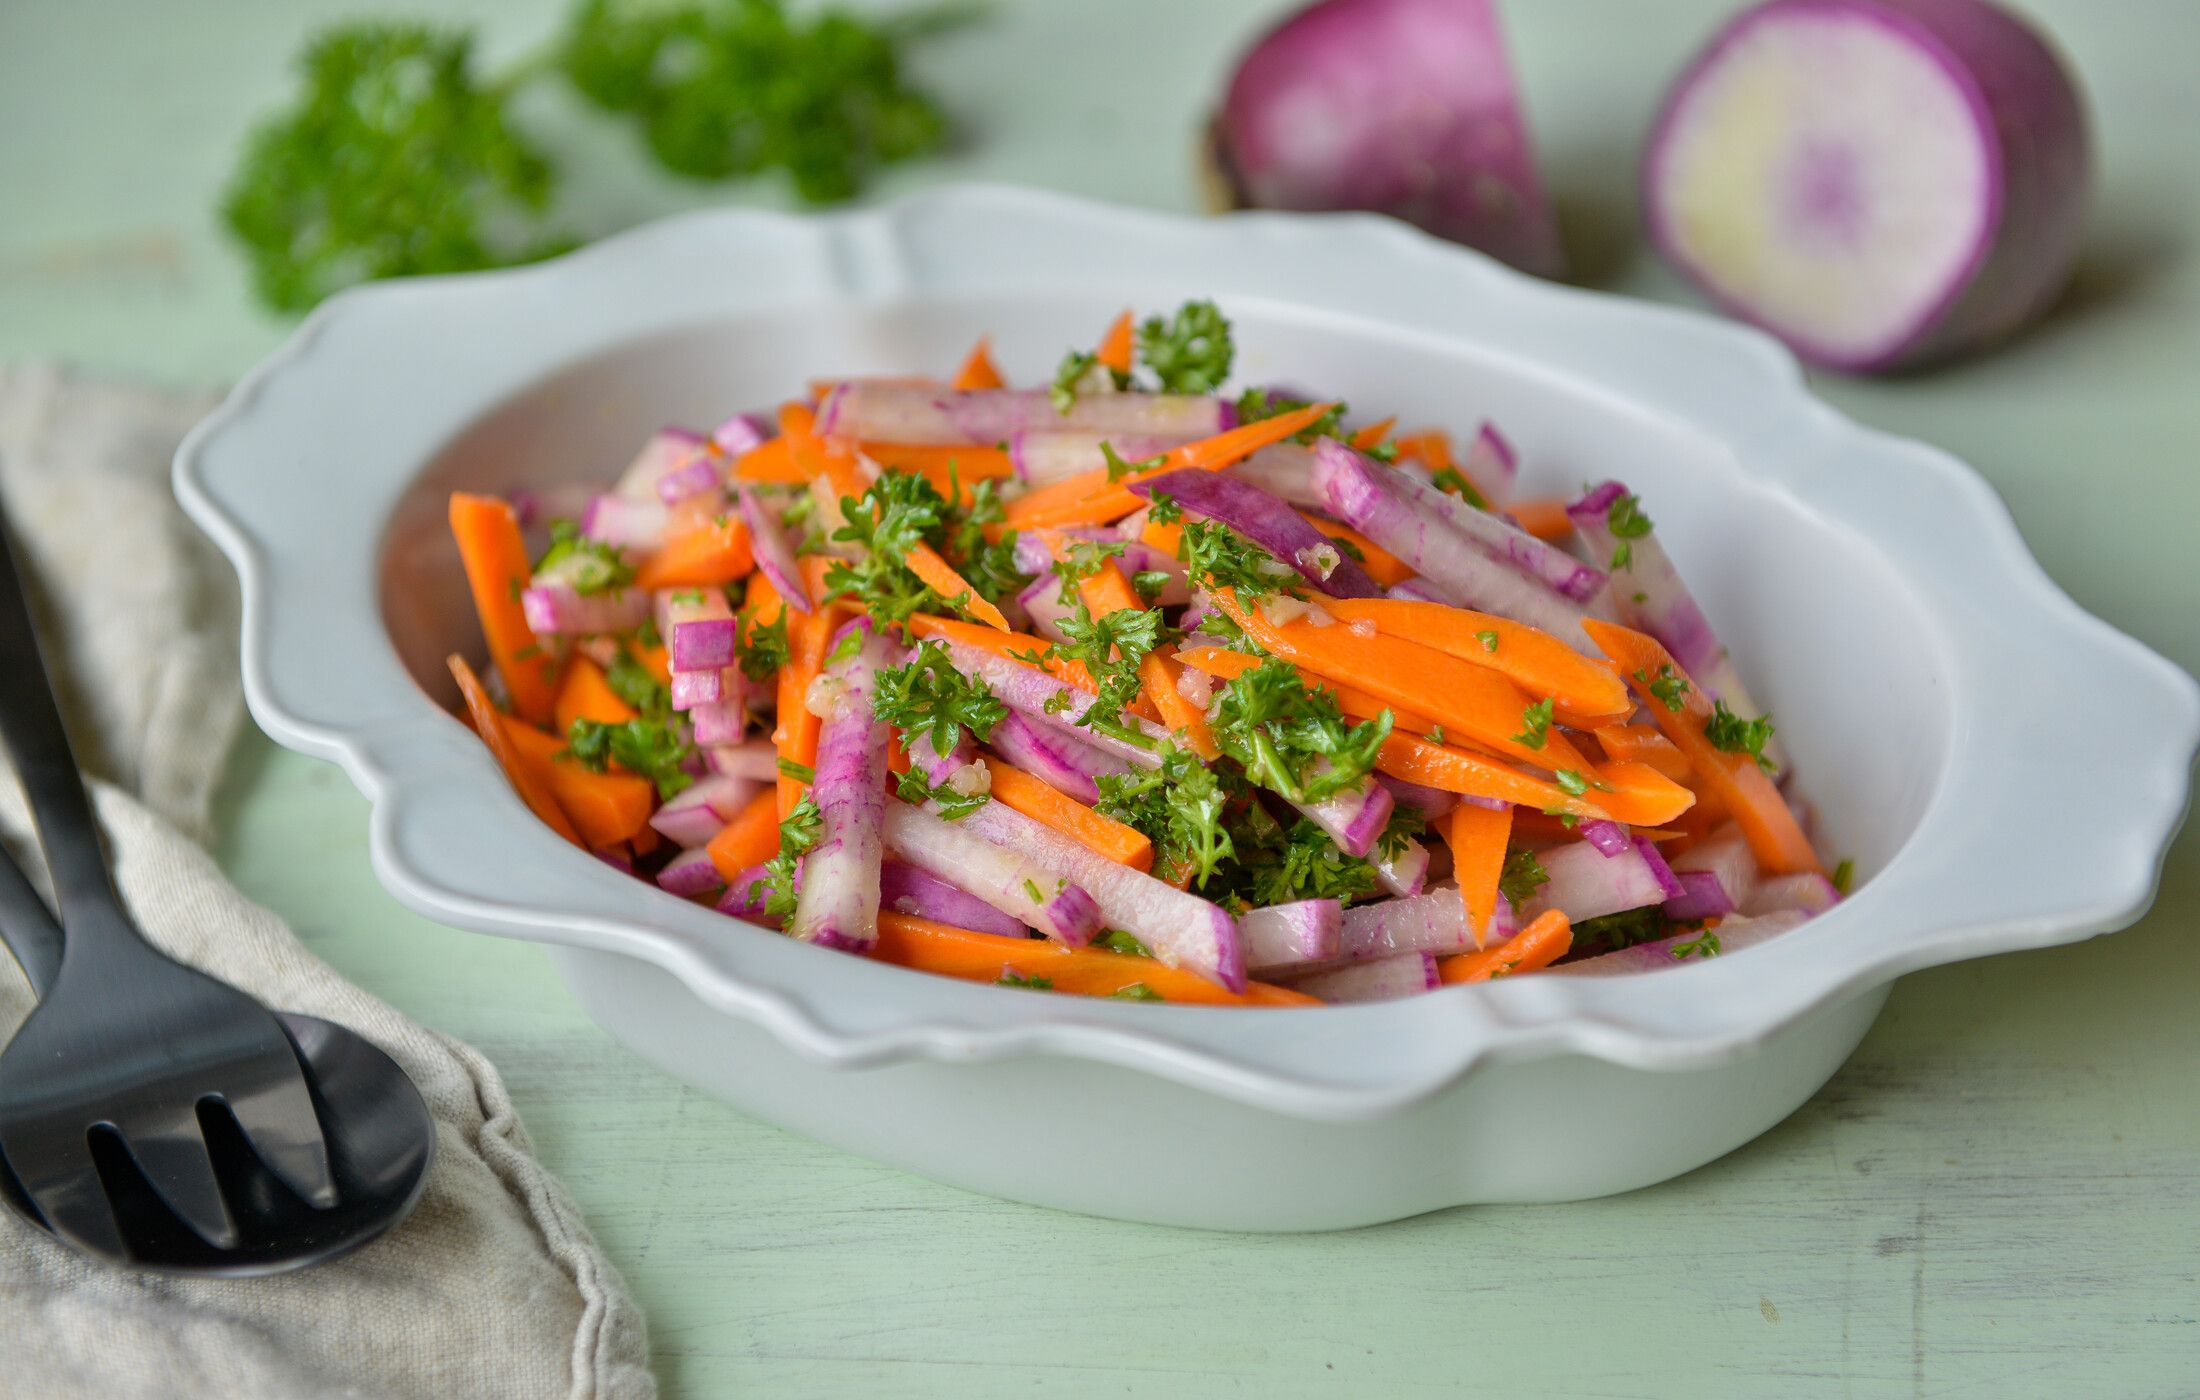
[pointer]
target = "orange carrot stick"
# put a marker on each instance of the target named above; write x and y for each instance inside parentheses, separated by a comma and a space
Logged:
(1642, 743)
(943, 466)
(925, 563)
(1640, 795)
(1372, 435)
(1465, 698)
(978, 370)
(584, 693)
(796, 734)
(489, 724)
(1021, 791)
(921, 944)
(750, 839)
(656, 660)
(1456, 770)
(606, 808)
(1536, 661)
(1089, 498)
(1381, 565)
(1544, 941)
(1478, 836)
(1355, 703)
(1544, 517)
(1767, 824)
(718, 553)
(495, 558)
(1114, 349)
(1162, 537)
(771, 461)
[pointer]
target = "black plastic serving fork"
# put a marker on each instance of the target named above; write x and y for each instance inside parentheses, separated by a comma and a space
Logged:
(127, 1041)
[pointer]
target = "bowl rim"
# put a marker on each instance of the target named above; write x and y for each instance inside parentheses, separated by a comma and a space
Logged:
(450, 839)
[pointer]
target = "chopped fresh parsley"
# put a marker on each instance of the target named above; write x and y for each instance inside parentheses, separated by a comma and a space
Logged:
(1537, 719)
(1626, 522)
(1622, 930)
(851, 642)
(1117, 941)
(1032, 984)
(1844, 875)
(1455, 481)
(1570, 782)
(1730, 733)
(1667, 687)
(1217, 556)
(634, 683)
(1522, 877)
(800, 772)
(804, 825)
(1306, 864)
(588, 566)
(652, 748)
(1487, 639)
(1703, 945)
(953, 803)
(1111, 648)
(1179, 806)
(1148, 583)
(895, 514)
(1291, 740)
(988, 566)
(929, 696)
(1119, 468)
(1078, 370)
(1190, 352)
(1031, 891)
(1256, 404)
(1136, 991)
(764, 649)
(1163, 509)
(1435, 734)
(1404, 827)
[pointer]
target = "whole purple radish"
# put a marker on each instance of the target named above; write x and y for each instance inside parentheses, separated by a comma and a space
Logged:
(1403, 107)
(1880, 183)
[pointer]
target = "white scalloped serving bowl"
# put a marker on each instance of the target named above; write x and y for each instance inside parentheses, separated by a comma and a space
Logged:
(2006, 769)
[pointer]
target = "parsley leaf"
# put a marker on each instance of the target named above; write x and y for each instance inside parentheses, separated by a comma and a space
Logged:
(634, 683)
(1033, 984)
(1292, 740)
(928, 696)
(1537, 718)
(1179, 807)
(1730, 733)
(1487, 639)
(1190, 353)
(1622, 930)
(1570, 782)
(988, 566)
(1163, 509)
(764, 650)
(1627, 522)
(652, 748)
(589, 566)
(1844, 875)
(800, 772)
(1455, 481)
(1256, 404)
(1118, 468)
(1308, 865)
(1217, 556)
(1523, 875)
(954, 803)
(804, 825)
(1666, 687)
(1703, 945)
(1079, 371)
(1117, 941)
(896, 513)
(1136, 991)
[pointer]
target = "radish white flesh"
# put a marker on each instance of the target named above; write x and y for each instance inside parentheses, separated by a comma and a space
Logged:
(1588, 884)
(774, 554)
(1268, 522)
(838, 903)
(908, 890)
(1877, 182)
(1806, 893)
(1284, 470)
(1044, 455)
(919, 413)
(667, 450)
(1386, 979)
(1004, 878)
(1280, 935)
(1404, 107)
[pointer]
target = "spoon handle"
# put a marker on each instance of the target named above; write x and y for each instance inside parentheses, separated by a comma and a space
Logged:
(30, 723)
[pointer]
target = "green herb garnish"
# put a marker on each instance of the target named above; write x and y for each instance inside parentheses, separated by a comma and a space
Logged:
(1523, 875)
(652, 748)
(1537, 719)
(1190, 352)
(1667, 687)
(929, 696)
(1730, 733)
(1626, 522)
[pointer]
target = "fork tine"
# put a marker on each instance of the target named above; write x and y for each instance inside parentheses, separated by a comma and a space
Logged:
(170, 1150)
(285, 1133)
(57, 1172)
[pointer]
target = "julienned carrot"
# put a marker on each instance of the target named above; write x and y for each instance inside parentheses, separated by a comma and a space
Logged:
(1535, 660)
(1372, 435)
(1464, 698)
(606, 808)
(1544, 941)
(497, 568)
(1355, 703)
(1016, 646)
(584, 693)
(1114, 349)
(1642, 743)
(1164, 537)
(1089, 498)
(1107, 591)
(771, 462)
(926, 564)
(796, 734)
(925, 946)
(489, 724)
(645, 838)
(1456, 770)
(1382, 566)
(718, 553)
(1478, 836)
(656, 660)
(1016, 789)
(978, 370)
(942, 466)
(1640, 795)
(1544, 517)
(1774, 837)
(750, 839)
(798, 429)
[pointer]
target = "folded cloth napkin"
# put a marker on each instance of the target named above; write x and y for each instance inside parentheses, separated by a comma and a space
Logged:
(493, 1287)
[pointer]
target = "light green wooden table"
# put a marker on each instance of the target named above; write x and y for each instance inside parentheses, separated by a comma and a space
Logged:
(2000, 1196)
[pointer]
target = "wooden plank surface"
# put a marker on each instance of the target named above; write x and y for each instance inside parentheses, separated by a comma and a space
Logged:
(2000, 1196)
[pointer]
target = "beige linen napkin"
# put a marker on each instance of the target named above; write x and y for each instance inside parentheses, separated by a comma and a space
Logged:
(493, 1288)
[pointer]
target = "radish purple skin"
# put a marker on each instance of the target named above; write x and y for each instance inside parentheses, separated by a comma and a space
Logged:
(908, 890)
(838, 905)
(1281, 935)
(1268, 522)
(1402, 107)
(1386, 979)
(775, 557)
(2026, 104)
(1702, 897)
(920, 414)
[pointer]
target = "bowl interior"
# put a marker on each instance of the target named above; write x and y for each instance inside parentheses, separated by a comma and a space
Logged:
(1821, 625)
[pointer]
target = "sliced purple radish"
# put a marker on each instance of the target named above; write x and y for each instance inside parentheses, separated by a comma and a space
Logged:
(918, 413)
(1385, 979)
(1879, 183)
(1403, 107)
(838, 903)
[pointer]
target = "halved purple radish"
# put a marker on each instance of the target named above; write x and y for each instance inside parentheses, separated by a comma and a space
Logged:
(1402, 107)
(1879, 183)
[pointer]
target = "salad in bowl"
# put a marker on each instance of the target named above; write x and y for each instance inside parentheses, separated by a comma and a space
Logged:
(1131, 685)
